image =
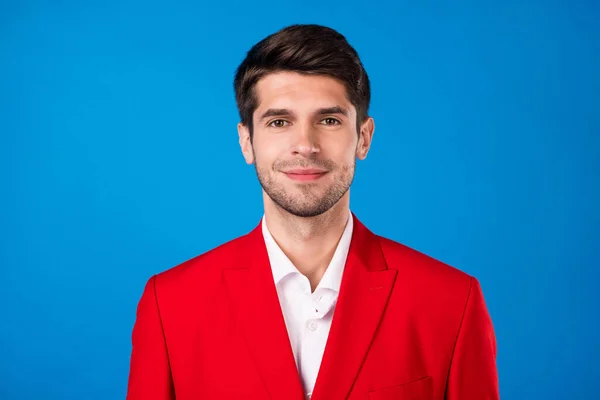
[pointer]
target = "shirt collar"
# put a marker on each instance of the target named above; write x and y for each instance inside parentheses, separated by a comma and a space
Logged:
(281, 265)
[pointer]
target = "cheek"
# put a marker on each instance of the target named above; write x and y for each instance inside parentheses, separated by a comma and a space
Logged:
(343, 152)
(265, 155)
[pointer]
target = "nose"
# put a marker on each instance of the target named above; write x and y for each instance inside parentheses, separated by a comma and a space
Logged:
(305, 141)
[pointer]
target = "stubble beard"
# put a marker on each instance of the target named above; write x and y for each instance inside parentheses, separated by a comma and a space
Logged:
(307, 203)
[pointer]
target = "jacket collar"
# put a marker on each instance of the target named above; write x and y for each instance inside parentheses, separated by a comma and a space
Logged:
(364, 291)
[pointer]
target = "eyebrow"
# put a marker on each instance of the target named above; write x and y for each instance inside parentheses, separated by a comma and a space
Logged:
(275, 112)
(333, 110)
(282, 112)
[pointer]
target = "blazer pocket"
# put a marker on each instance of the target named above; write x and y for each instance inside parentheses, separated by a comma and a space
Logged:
(421, 389)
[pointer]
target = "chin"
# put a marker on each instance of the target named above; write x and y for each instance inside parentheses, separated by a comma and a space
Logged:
(306, 212)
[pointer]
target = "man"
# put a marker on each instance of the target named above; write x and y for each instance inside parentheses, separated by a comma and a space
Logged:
(310, 304)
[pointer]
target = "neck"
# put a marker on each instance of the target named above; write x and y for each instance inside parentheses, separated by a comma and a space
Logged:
(309, 242)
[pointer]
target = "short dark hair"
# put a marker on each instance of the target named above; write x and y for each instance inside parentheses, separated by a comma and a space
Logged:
(306, 49)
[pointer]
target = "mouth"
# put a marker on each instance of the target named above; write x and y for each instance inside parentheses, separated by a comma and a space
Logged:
(305, 175)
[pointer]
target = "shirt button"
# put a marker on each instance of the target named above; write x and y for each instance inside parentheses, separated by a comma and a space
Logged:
(308, 396)
(312, 325)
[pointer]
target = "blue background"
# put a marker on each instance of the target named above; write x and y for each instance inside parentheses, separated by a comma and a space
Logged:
(119, 159)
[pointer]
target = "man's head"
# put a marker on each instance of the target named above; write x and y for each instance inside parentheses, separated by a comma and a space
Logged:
(303, 97)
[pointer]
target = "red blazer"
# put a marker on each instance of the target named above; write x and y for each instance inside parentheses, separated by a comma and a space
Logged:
(405, 327)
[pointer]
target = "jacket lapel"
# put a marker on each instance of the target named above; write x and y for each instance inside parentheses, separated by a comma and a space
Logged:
(252, 288)
(364, 292)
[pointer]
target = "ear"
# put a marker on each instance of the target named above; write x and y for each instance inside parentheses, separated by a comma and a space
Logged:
(365, 138)
(245, 143)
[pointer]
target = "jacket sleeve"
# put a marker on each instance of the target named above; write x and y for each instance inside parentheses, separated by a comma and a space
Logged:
(473, 374)
(149, 371)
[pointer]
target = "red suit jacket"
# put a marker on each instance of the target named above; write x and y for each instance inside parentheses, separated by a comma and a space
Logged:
(405, 327)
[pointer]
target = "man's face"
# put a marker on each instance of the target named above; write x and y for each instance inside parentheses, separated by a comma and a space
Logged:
(305, 141)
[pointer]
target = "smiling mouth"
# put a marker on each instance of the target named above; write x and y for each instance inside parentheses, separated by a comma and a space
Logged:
(305, 175)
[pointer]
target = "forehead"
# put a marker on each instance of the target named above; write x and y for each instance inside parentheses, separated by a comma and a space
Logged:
(292, 90)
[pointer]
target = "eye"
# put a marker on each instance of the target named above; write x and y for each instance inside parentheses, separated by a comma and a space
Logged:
(278, 123)
(330, 121)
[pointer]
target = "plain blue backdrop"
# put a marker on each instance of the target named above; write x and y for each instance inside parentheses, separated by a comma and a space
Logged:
(119, 159)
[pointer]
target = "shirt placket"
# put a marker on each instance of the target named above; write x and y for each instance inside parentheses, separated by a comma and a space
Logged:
(314, 335)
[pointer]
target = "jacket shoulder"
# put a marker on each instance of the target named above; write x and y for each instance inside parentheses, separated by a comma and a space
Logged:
(423, 269)
(203, 268)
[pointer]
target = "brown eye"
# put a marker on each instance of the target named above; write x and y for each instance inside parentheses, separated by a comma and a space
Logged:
(278, 123)
(330, 121)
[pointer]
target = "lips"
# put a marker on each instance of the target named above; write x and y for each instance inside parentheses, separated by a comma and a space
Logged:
(308, 174)
(305, 171)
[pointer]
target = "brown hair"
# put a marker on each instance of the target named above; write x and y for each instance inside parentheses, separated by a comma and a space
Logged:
(306, 49)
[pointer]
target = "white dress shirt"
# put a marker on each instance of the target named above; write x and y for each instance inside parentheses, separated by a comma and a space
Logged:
(307, 315)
